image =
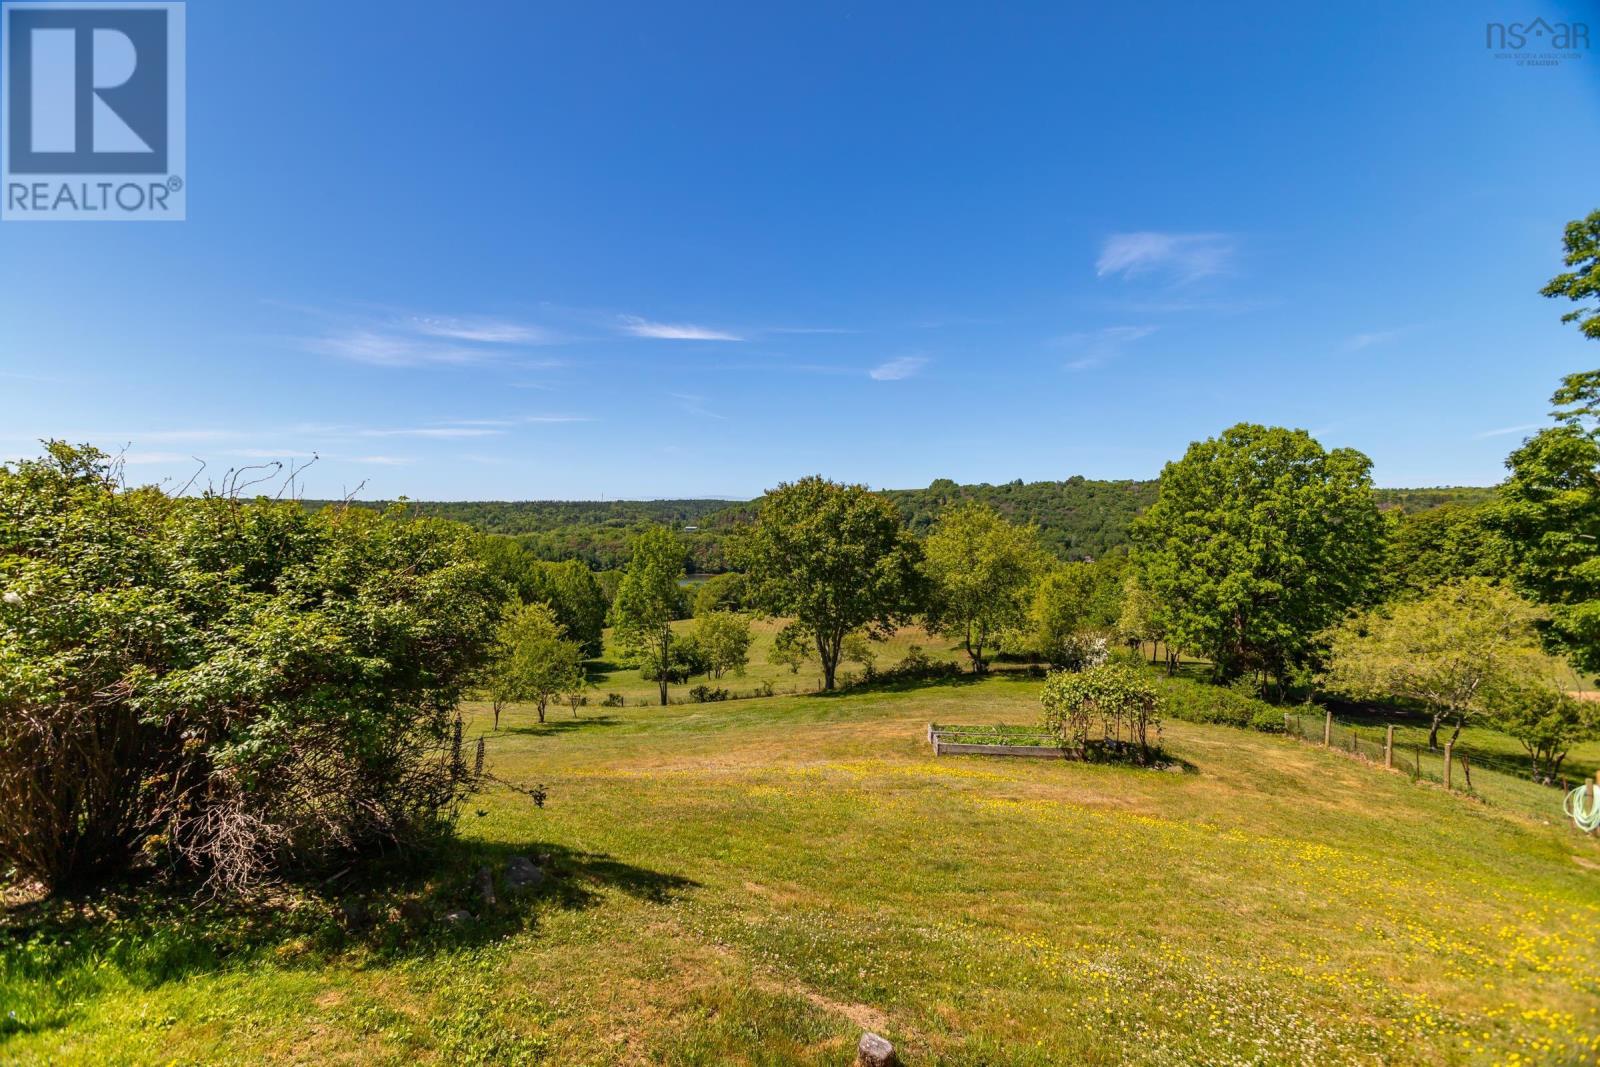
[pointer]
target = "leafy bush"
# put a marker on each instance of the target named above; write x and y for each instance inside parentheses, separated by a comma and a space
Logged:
(1202, 702)
(613, 700)
(1111, 709)
(919, 666)
(225, 686)
(705, 694)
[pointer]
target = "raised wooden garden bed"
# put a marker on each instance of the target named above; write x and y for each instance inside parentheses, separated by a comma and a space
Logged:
(1027, 741)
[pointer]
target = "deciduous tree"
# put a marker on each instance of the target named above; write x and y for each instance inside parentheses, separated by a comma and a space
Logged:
(1448, 650)
(648, 600)
(981, 571)
(1259, 540)
(1549, 511)
(835, 558)
(535, 662)
(1582, 244)
(724, 639)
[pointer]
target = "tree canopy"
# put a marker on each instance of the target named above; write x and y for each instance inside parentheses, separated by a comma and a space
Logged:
(834, 558)
(648, 600)
(1259, 540)
(1549, 512)
(981, 571)
(1581, 242)
(1447, 650)
(534, 661)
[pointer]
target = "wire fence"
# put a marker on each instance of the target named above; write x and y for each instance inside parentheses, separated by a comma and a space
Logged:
(1378, 745)
(1494, 779)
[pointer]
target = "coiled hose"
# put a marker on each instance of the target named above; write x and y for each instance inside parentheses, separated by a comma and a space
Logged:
(1583, 804)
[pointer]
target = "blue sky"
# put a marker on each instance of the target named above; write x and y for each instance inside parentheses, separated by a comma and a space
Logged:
(523, 250)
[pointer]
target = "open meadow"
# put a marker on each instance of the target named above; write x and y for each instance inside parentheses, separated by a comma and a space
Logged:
(758, 881)
(610, 675)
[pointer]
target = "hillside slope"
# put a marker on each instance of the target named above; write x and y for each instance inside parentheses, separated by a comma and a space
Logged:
(1077, 518)
(757, 882)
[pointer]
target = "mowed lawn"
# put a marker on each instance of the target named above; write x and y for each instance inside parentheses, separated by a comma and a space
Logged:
(757, 882)
(608, 675)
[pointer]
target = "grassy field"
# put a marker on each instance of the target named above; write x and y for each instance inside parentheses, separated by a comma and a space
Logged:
(756, 882)
(607, 675)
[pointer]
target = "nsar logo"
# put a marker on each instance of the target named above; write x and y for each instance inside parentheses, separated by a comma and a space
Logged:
(1538, 43)
(92, 110)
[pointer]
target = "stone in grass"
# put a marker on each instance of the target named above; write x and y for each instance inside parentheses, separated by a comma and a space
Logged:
(874, 1051)
(457, 918)
(523, 873)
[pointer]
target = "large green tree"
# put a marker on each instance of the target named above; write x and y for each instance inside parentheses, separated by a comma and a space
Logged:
(649, 599)
(835, 558)
(1549, 511)
(981, 570)
(1443, 543)
(569, 587)
(1258, 540)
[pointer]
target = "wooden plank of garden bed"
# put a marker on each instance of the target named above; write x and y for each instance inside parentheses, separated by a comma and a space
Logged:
(945, 748)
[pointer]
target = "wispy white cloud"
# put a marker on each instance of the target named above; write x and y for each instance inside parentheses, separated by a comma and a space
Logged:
(482, 331)
(417, 340)
(673, 331)
(437, 432)
(898, 369)
(1095, 347)
(695, 405)
(1356, 342)
(1507, 431)
(1181, 256)
(269, 453)
(392, 349)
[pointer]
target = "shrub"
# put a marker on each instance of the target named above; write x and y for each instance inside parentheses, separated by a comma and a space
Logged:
(1112, 708)
(231, 687)
(613, 700)
(705, 694)
(1202, 702)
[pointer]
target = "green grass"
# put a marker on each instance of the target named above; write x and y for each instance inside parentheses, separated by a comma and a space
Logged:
(756, 882)
(607, 675)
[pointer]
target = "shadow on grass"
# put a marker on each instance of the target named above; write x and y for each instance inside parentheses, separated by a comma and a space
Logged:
(57, 954)
(554, 726)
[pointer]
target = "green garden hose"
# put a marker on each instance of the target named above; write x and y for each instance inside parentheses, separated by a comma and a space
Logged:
(1583, 804)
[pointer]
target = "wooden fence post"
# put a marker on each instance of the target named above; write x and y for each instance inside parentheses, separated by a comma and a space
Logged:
(1388, 748)
(1327, 730)
(1448, 745)
(930, 733)
(1466, 771)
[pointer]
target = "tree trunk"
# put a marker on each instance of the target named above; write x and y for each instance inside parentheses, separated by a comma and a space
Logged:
(665, 661)
(497, 715)
(1433, 730)
(828, 653)
(541, 710)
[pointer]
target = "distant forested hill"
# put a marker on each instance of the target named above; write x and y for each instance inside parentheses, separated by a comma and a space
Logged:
(1078, 518)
